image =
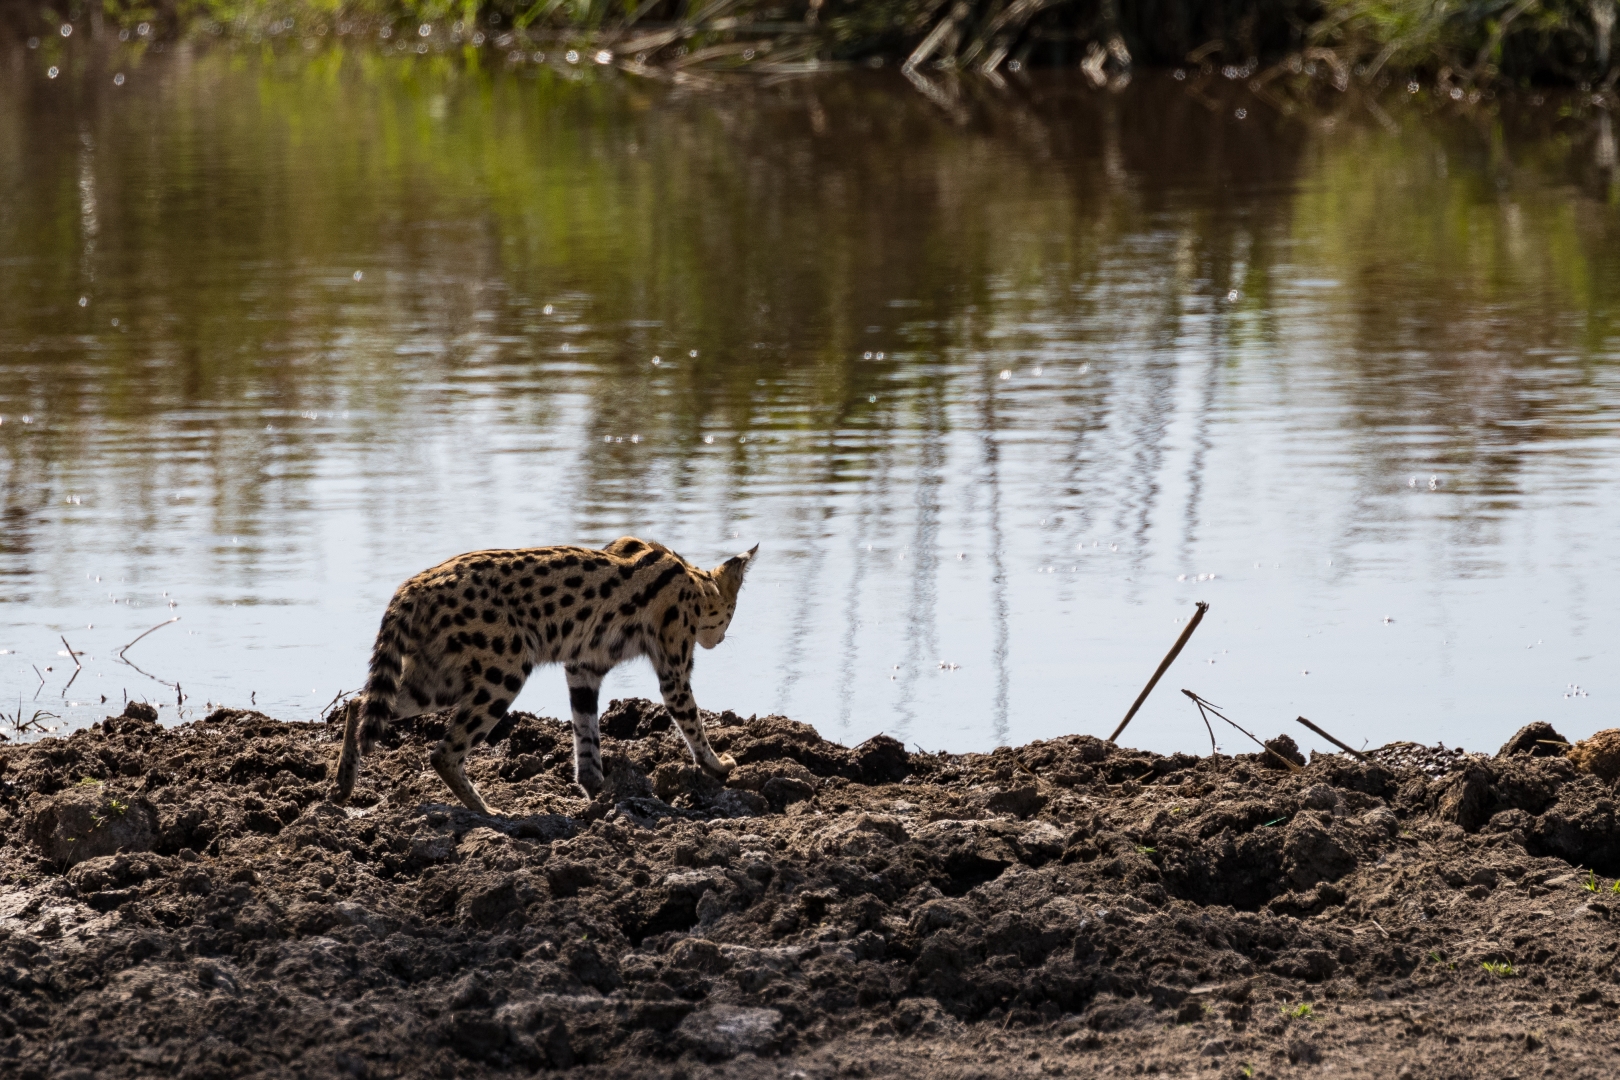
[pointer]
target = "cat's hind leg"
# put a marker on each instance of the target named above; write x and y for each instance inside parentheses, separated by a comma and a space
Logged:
(584, 683)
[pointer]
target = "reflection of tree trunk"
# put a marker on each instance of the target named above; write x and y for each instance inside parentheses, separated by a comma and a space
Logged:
(808, 577)
(1602, 31)
(922, 637)
(1201, 444)
(822, 501)
(89, 217)
(852, 624)
(998, 571)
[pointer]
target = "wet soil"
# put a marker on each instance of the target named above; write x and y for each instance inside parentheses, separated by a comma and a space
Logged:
(186, 902)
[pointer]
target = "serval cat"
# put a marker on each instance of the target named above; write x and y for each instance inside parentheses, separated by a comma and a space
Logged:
(465, 635)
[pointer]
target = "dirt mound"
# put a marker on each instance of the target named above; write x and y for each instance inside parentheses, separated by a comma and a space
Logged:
(1599, 755)
(1062, 907)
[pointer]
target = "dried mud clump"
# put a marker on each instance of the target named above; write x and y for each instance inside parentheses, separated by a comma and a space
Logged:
(1538, 739)
(1067, 907)
(1599, 755)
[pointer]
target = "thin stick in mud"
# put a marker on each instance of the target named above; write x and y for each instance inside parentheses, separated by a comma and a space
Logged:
(1349, 750)
(1164, 665)
(1212, 707)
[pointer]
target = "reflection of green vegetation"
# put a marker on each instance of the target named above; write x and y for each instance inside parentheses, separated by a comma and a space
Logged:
(221, 213)
(1452, 244)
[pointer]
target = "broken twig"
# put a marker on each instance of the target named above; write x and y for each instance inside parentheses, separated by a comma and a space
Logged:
(126, 660)
(138, 637)
(330, 705)
(1331, 739)
(1164, 665)
(1213, 749)
(1212, 707)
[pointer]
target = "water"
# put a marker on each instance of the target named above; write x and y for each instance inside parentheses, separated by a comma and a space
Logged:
(1000, 392)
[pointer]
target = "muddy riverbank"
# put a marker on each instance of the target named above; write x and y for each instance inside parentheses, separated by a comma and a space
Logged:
(185, 902)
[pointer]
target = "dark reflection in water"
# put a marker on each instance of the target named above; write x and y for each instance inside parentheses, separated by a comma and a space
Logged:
(995, 397)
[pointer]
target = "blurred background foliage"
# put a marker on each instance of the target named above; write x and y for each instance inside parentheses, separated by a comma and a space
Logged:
(1460, 42)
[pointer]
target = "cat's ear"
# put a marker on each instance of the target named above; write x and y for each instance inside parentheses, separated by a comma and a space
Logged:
(732, 570)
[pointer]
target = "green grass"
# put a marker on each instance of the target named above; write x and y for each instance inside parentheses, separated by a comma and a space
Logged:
(1500, 968)
(1591, 882)
(1302, 1011)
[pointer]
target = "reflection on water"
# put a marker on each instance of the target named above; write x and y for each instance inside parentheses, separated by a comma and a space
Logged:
(999, 399)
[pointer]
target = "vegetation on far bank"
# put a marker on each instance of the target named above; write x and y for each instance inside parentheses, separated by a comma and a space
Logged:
(1464, 43)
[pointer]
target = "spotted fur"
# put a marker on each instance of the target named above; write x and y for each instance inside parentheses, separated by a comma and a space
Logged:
(466, 634)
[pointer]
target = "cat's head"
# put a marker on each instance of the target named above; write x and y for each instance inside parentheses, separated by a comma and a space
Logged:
(719, 601)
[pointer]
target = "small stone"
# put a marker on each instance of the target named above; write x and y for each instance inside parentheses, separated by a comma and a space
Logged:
(724, 1031)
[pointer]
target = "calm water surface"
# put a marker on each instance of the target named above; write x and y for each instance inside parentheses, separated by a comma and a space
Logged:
(999, 392)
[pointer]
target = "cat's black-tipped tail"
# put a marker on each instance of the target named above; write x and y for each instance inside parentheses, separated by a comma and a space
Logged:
(373, 711)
